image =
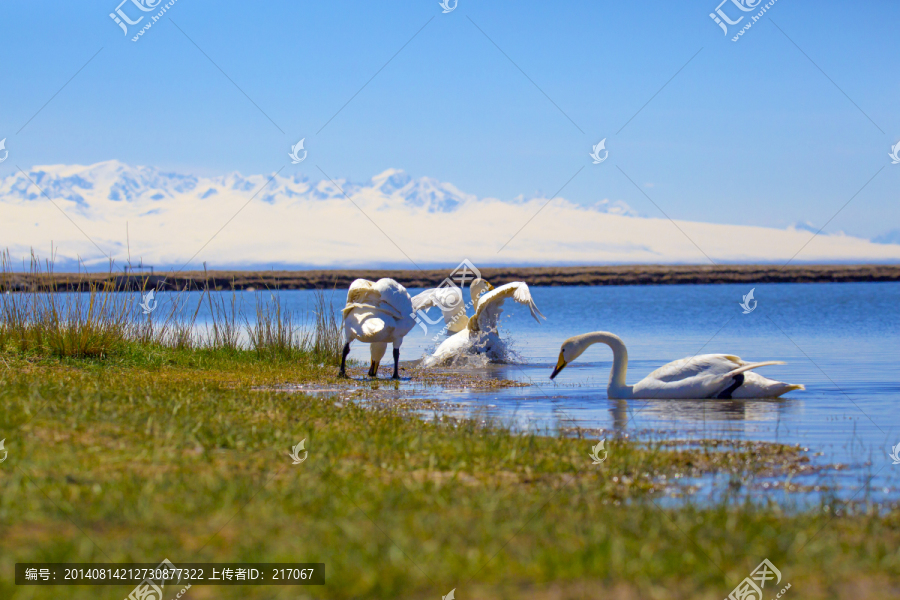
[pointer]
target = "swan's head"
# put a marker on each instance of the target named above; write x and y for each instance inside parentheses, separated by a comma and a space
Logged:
(571, 349)
(479, 287)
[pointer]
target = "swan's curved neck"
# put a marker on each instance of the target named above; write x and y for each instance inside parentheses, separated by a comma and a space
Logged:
(617, 387)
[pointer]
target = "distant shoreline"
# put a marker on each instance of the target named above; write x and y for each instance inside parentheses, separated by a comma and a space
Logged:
(535, 276)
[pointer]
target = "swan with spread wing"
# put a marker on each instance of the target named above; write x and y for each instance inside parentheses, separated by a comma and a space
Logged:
(377, 313)
(481, 331)
(721, 376)
(450, 302)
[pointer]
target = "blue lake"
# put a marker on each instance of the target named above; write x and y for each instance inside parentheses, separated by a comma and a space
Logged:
(840, 340)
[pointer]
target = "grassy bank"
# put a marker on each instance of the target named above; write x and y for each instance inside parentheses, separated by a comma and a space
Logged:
(170, 453)
(133, 439)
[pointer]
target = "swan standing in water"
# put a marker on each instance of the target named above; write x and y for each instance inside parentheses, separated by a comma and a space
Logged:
(480, 333)
(376, 313)
(450, 301)
(721, 376)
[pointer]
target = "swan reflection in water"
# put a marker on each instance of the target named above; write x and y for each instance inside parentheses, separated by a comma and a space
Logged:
(634, 412)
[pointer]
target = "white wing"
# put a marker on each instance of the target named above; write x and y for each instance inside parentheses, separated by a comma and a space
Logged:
(396, 300)
(701, 376)
(386, 299)
(443, 298)
(490, 305)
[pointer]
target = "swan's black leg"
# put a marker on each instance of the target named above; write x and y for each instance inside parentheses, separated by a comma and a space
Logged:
(738, 382)
(396, 363)
(343, 372)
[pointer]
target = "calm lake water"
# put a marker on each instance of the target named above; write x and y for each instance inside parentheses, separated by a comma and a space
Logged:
(840, 340)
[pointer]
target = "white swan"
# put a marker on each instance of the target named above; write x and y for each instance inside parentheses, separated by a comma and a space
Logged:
(376, 313)
(720, 376)
(481, 333)
(450, 301)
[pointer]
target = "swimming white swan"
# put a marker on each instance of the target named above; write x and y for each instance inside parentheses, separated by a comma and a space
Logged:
(450, 301)
(720, 376)
(376, 313)
(481, 333)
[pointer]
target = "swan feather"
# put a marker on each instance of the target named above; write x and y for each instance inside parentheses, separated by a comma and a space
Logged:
(490, 305)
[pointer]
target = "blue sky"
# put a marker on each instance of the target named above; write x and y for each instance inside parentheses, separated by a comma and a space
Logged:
(750, 132)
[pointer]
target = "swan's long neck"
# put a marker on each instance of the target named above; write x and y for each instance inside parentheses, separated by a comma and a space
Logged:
(617, 387)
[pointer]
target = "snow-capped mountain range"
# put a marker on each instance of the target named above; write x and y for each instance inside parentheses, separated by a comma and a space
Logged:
(391, 220)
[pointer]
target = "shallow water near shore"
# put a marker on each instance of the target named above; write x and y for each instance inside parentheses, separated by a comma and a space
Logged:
(840, 340)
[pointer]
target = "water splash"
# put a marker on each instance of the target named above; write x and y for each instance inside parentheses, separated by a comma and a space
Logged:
(477, 351)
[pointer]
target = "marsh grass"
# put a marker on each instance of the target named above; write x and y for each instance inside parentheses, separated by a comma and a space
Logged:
(104, 321)
(63, 324)
(326, 342)
(136, 462)
(278, 332)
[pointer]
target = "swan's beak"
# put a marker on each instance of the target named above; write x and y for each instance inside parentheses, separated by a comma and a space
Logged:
(560, 365)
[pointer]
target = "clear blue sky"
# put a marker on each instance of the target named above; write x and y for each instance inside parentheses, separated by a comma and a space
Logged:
(749, 132)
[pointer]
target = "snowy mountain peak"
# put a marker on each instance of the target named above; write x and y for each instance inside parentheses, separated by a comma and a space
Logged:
(293, 220)
(390, 181)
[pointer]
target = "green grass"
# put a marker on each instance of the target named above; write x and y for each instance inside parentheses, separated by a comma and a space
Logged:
(157, 452)
(104, 322)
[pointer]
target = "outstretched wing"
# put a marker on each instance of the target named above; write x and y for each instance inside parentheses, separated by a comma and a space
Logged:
(449, 300)
(444, 298)
(490, 305)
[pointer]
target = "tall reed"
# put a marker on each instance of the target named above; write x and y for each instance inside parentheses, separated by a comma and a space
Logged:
(44, 319)
(36, 316)
(327, 340)
(275, 332)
